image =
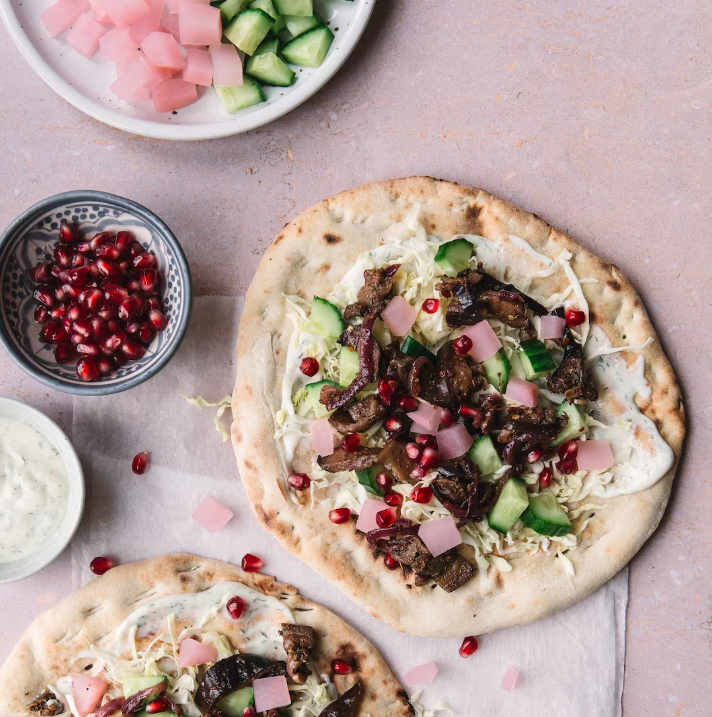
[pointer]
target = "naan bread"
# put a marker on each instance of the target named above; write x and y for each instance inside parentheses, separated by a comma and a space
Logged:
(50, 647)
(309, 257)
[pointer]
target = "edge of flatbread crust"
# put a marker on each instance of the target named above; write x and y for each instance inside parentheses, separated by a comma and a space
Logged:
(54, 639)
(308, 257)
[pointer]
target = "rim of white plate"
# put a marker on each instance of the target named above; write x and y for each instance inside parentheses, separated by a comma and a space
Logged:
(232, 125)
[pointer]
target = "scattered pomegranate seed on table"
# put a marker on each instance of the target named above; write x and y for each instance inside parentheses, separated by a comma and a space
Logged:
(393, 499)
(385, 518)
(469, 646)
(462, 345)
(341, 667)
(160, 704)
(391, 562)
(339, 515)
(422, 495)
(251, 563)
(384, 481)
(351, 442)
(309, 366)
(299, 481)
(140, 463)
(430, 306)
(236, 606)
(100, 565)
(574, 317)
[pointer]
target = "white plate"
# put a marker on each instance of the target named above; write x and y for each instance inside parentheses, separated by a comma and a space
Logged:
(9, 572)
(85, 83)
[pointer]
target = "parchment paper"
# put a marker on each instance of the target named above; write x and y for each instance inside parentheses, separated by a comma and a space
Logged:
(570, 664)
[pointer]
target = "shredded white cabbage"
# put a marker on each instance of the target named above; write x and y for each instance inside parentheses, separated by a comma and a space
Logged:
(421, 711)
(222, 405)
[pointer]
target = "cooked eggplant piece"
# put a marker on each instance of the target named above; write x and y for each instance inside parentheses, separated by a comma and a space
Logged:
(346, 705)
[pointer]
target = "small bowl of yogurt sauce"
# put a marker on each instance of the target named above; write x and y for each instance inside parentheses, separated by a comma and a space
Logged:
(41, 490)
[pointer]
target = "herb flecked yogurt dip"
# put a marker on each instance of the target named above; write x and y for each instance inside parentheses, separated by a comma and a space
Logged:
(34, 490)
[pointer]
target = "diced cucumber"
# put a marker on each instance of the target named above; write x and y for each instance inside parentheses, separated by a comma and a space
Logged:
(411, 347)
(248, 29)
(266, 6)
(348, 365)
(497, 370)
(311, 400)
(235, 704)
(303, 8)
(545, 516)
(535, 358)
(325, 319)
(576, 425)
(367, 478)
(382, 333)
(299, 25)
(270, 44)
(455, 256)
(309, 49)
(131, 684)
(279, 25)
(485, 455)
(270, 70)
(512, 502)
(230, 8)
(238, 98)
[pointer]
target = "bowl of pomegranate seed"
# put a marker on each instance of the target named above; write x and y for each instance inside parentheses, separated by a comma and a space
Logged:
(95, 293)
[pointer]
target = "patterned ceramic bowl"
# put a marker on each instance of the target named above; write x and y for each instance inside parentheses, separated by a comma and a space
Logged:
(31, 238)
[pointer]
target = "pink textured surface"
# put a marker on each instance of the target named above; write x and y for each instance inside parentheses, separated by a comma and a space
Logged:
(595, 117)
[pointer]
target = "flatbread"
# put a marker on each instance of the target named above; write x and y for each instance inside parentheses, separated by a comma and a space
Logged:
(309, 257)
(50, 646)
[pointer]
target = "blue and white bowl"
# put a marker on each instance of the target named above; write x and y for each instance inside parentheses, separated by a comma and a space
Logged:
(30, 240)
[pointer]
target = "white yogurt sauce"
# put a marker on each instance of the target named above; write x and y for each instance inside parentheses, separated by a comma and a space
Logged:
(34, 490)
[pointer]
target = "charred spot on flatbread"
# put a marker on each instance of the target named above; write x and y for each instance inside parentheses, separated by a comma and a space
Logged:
(332, 238)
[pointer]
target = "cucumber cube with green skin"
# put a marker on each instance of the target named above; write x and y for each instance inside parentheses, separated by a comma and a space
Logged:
(512, 502)
(309, 49)
(312, 403)
(546, 516)
(132, 684)
(271, 44)
(325, 319)
(497, 370)
(454, 256)
(230, 8)
(235, 99)
(235, 704)
(299, 25)
(348, 365)
(411, 347)
(484, 454)
(270, 70)
(536, 359)
(305, 8)
(248, 29)
(266, 6)
(574, 428)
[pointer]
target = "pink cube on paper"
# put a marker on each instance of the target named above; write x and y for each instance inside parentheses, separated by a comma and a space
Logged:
(271, 693)
(85, 35)
(199, 24)
(126, 12)
(198, 67)
(227, 66)
(100, 14)
(64, 13)
(162, 50)
(117, 45)
(421, 674)
(509, 681)
(367, 517)
(213, 516)
(440, 535)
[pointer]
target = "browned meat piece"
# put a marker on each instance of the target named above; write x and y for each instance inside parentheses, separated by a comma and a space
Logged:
(490, 403)
(372, 295)
(270, 713)
(394, 457)
(462, 309)
(409, 551)
(421, 372)
(340, 460)
(358, 416)
(328, 392)
(572, 377)
(449, 490)
(526, 429)
(47, 705)
(510, 309)
(453, 380)
(298, 640)
(359, 309)
(451, 571)
(457, 486)
(448, 284)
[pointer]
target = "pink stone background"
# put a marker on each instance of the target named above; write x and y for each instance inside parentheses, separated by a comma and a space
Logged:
(595, 115)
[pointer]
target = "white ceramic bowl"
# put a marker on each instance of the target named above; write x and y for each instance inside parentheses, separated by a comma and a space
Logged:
(9, 572)
(85, 83)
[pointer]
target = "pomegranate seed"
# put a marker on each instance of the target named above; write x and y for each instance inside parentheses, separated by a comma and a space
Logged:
(67, 325)
(107, 311)
(418, 472)
(386, 388)
(446, 293)
(351, 442)
(251, 563)
(49, 330)
(469, 646)
(158, 320)
(92, 299)
(249, 712)
(384, 481)
(106, 268)
(78, 276)
(64, 353)
(140, 463)
(148, 278)
(339, 515)
(114, 326)
(120, 360)
(393, 424)
(534, 456)
(568, 449)
(76, 339)
(60, 337)
(429, 459)
(63, 256)
(73, 292)
(413, 451)
(470, 411)
(126, 309)
(341, 667)
(124, 240)
(408, 403)
(309, 366)
(422, 495)
(385, 518)
(99, 239)
(144, 261)
(84, 247)
(299, 481)
(108, 251)
(134, 285)
(68, 233)
(60, 294)
(146, 334)
(153, 302)
(82, 326)
(44, 296)
(58, 312)
(135, 249)
(462, 345)
(99, 566)
(567, 453)
(133, 350)
(113, 342)
(236, 606)
(88, 349)
(133, 327)
(574, 317)
(105, 365)
(42, 273)
(391, 562)
(447, 418)
(545, 477)
(160, 704)
(426, 440)
(79, 260)
(393, 499)
(98, 327)
(41, 314)
(430, 306)
(76, 312)
(115, 294)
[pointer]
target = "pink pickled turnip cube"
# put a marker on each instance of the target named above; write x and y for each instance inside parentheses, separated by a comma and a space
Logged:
(271, 693)
(151, 23)
(522, 391)
(421, 674)
(100, 14)
(162, 50)
(227, 66)
(126, 12)
(58, 17)
(594, 456)
(213, 516)
(399, 315)
(192, 653)
(126, 90)
(137, 78)
(117, 45)
(172, 5)
(85, 35)
(198, 67)
(440, 535)
(322, 437)
(87, 692)
(199, 24)
(509, 681)
(485, 343)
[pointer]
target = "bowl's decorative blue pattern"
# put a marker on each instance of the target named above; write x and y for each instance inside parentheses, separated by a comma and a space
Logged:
(31, 239)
